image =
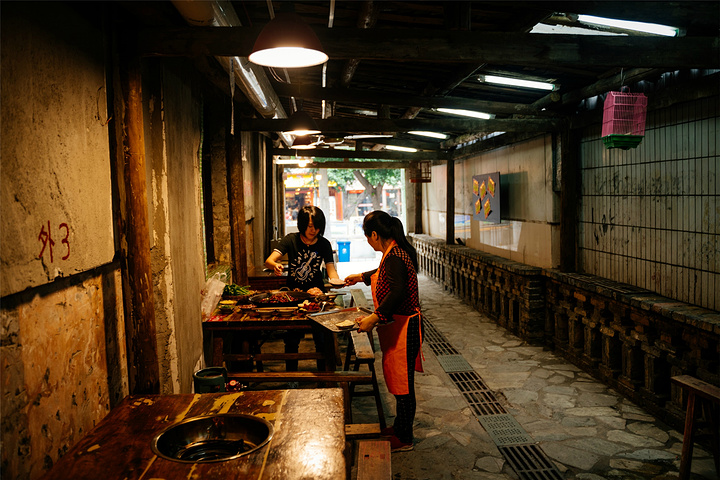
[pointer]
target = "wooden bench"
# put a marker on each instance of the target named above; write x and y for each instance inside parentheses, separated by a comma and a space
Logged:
(710, 399)
(374, 460)
(342, 378)
(361, 345)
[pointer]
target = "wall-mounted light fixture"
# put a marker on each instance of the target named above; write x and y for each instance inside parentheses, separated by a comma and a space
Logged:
(287, 42)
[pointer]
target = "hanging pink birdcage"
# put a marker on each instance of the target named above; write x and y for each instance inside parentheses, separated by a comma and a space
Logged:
(624, 119)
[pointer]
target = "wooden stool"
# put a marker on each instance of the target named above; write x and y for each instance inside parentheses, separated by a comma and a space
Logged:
(374, 460)
(359, 344)
(363, 348)
(711, 395)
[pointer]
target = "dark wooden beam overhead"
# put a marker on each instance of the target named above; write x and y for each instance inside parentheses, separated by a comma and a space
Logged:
(378, 125)
(359, 165)
(361, 154)
(366, 96)
(454, 46)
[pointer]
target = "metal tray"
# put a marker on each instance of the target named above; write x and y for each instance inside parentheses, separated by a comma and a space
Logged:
(329, 320)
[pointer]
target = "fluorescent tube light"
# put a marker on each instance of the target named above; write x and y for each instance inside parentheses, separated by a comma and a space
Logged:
(301, 162)
(360, 137)
(516, 82)
(441, 136)
(400, 149)
(465, 113)
(628, 25)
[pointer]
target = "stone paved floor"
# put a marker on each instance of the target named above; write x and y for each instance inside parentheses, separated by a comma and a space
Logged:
(589, 431)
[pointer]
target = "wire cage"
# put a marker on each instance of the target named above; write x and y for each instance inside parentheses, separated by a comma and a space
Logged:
(624, 119)
(420, 173)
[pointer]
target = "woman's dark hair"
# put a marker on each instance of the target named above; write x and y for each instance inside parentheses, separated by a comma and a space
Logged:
(311, 212)
(388, 228)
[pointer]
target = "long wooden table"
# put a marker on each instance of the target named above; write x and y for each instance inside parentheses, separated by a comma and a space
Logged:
(308, 442)
(251, 323)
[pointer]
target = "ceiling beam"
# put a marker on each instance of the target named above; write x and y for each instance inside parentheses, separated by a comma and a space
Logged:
(386, 98)
(359, 165)
(439, 46)
(379, 125)
(361, 154)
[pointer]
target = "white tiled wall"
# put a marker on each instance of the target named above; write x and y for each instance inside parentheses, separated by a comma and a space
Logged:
(650, 216)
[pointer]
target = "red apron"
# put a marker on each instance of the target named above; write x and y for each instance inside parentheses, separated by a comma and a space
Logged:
(393, 344)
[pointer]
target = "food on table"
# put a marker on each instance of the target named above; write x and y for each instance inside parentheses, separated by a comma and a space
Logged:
(337, 282)
(310, 306)
(315, 291)
(233, 290)
(280, 297)
(345, 324)
(226, 305)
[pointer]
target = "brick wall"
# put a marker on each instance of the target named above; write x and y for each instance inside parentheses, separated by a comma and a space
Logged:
(629, 338)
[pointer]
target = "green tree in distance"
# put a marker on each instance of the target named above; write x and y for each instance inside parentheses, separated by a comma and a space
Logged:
(372, 180)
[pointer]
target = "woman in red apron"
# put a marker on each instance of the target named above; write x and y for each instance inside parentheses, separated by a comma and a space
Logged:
(397, 318)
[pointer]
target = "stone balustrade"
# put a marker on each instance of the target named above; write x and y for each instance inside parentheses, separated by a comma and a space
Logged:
(631, 339)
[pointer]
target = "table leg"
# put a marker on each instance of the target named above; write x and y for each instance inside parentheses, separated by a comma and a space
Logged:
(217, 351)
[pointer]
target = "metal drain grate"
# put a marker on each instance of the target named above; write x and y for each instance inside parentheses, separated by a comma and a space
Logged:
(435, 340)
(454, 363)
(530, 462)
(525, 457)
(480, 398)
(504, 430)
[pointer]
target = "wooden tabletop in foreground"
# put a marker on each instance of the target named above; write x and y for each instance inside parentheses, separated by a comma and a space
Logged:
(308, 442)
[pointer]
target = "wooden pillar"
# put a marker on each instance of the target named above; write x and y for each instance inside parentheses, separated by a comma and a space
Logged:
(236, 199)
(140, 332)
(450, 208)
(269, 196)
(569, 171)
(418, 207)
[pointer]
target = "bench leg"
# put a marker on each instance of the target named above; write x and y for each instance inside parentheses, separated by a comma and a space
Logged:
(687, 448)
(376, 394)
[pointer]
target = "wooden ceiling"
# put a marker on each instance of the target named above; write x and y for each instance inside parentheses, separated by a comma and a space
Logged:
(393, 62)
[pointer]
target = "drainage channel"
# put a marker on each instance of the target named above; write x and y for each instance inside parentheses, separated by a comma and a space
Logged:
(519, 449)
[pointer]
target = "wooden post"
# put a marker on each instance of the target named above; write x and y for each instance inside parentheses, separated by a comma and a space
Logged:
(140, 332)
(236, 199)
(418, 207)
(450, 214)
(269, 212)
(569, 158)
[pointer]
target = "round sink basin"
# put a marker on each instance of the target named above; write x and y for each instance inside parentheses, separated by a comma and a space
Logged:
(212, 438)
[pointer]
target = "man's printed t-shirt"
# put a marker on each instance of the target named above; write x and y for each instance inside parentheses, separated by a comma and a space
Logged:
(305, 261)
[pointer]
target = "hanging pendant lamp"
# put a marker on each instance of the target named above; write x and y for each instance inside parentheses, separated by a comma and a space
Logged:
(287, 42)
(300, 123)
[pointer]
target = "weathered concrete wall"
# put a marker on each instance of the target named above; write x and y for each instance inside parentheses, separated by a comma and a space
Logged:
(59, 346)
(55, 180)
(173, 133)
(220, 200)
(530, 208)
(62, 345)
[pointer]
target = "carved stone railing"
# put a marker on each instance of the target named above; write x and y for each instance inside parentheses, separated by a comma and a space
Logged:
(629, 338)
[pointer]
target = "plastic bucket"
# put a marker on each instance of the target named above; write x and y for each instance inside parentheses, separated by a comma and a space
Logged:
(343, 251)
(210, 380)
